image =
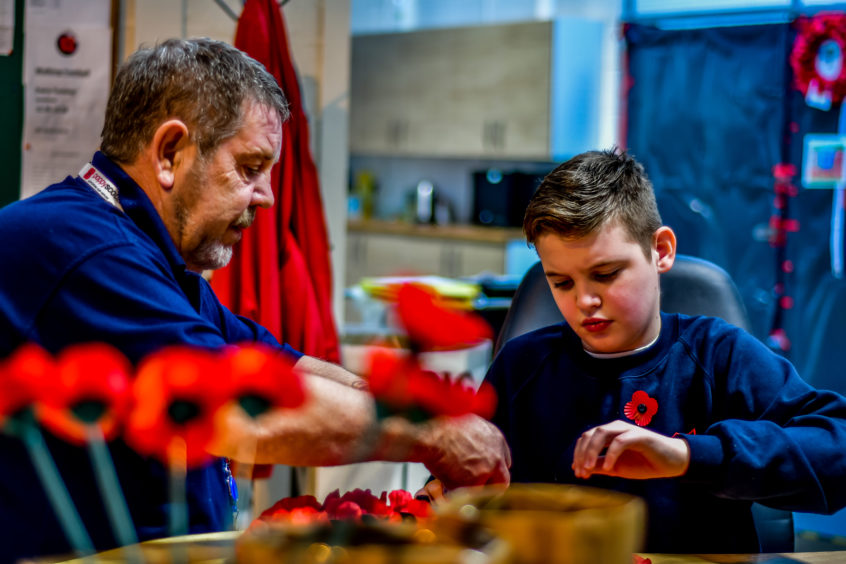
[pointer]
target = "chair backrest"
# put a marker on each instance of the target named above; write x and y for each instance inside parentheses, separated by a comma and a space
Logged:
(693, 286)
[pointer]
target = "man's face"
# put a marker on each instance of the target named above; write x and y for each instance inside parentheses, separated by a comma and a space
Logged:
(606, 288)
(218, 194)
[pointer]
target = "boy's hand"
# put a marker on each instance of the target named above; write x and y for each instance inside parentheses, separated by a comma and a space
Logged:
(628, 451)
(434, 490)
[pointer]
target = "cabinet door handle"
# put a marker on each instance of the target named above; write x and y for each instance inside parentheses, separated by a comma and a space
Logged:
(393, 132)
(487, 135)
(397, 132)
(498, 133)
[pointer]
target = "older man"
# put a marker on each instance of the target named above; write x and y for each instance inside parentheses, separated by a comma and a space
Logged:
(192, 129)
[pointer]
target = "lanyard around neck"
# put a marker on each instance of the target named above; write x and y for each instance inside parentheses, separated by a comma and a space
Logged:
(101, 185)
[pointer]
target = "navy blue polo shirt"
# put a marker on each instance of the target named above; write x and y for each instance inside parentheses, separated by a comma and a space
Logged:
(79, 269)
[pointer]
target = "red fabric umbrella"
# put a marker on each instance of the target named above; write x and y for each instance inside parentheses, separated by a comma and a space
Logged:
(280, 274)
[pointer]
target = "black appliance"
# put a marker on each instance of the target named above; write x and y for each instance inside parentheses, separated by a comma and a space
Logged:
(501, 198)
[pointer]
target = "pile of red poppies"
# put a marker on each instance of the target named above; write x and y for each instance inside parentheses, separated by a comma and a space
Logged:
(356, 505)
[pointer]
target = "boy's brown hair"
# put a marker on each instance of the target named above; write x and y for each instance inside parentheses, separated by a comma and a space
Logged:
(589, 191)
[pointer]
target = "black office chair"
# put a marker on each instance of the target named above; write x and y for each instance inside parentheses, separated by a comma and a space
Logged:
(693, 286)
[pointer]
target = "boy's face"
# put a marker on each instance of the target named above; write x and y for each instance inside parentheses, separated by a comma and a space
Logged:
(606, 288)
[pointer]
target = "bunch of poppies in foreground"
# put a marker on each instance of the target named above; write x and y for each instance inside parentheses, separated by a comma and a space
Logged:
(173, 406)
(356, 505)
(176, 394)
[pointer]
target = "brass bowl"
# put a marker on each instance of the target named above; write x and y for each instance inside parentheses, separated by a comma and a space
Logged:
(554, 524)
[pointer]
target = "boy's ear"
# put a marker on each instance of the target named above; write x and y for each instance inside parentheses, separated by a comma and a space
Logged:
(169, 140)
(664, 246)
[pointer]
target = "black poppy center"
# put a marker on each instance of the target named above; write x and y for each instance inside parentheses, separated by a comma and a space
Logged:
(182, 411)
(254, 404)
(89, 410)
(641, 408)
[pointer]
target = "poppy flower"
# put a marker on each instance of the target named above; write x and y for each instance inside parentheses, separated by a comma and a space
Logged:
(354, 504)
(438, 396)
(22, 377)
(176, 394)
(90, 385)
(815, 35)
(291, 503)
(301, 509)
(262, 379)
(402, 502)
(431, 325)
(401, 386)
(641, 408)
(388, 378)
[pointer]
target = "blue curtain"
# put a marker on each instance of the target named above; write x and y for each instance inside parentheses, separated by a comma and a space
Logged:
(710, 112)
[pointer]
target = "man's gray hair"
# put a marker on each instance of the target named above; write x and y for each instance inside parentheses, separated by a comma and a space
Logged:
(202, 82)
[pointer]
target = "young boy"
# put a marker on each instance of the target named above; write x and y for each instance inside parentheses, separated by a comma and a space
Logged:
(692, 414)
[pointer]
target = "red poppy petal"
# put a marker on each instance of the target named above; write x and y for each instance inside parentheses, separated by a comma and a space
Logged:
(176, 374)
(484, 401)
(258, 370)
(640, 397)
(348, 510)
(90, 372)
(399, 499)
(651, 404)
(388, 377)
(432, 325)
(23, 376)
(630, 409)
(418, 508)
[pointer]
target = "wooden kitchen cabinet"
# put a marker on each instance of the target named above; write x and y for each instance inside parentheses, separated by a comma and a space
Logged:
(387, 249)
(500, 91)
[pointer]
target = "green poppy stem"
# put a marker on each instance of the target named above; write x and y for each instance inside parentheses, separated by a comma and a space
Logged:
(177, 458)
(57, 493)
(113, 498)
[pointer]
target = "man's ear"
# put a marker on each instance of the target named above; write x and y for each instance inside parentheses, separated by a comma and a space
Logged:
(169, 142)
(664, 245)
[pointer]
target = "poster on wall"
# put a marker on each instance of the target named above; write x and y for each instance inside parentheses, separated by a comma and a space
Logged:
(7, 26)
(67, 67)
(824, 161)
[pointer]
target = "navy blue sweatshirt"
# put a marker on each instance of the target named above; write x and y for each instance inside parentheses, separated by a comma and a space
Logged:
(761, 432)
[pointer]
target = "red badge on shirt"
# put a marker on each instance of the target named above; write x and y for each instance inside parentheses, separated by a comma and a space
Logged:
(641, 408)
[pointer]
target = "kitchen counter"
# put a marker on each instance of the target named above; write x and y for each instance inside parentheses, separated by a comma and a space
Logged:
(474, 233)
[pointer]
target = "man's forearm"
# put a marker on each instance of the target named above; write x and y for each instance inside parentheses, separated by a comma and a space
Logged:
(337, 425)
(323, 431)
(311, 365)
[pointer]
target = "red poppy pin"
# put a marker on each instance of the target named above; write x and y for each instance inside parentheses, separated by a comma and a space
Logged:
(641, 408)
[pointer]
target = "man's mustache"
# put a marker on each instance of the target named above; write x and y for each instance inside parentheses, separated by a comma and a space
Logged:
(246, 218)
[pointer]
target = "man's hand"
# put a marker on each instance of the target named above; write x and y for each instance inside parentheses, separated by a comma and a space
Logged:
(465, 451)
(628, 451)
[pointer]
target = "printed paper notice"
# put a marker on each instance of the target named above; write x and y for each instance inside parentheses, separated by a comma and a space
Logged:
(7, 26)
(66, 82)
